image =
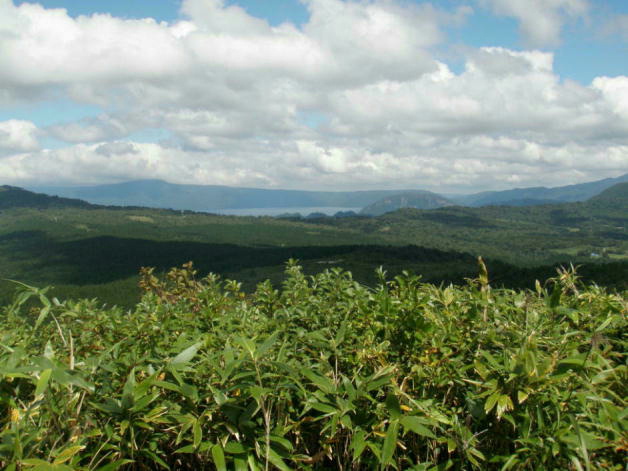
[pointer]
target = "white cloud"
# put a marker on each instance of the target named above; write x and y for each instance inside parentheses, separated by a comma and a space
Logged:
(344, 41)
(46, 46)
(615, 92)
(232, 92)
(17, 136)
(541, 21)
(500, 92)
(101, 128)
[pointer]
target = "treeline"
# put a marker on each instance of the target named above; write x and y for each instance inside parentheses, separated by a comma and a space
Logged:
(106, 266)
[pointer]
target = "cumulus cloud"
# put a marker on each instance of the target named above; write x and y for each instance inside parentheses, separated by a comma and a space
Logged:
(463, 164)
(100, 128)
(499, 92)
(346, 41)
(234, 94)
(17, 136)
(540, 20)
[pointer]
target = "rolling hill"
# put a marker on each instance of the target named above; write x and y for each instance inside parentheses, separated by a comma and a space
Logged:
(15, 197)
(615, 195)
(416, 199)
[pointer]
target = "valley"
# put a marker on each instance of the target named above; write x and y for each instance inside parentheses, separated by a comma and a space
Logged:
(87, 250)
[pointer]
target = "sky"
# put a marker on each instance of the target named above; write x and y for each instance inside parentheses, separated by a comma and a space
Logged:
(451, 95)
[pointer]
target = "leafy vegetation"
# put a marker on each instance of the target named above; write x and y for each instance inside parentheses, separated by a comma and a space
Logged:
(323, 373)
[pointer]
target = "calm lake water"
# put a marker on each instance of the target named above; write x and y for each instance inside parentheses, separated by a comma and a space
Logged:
(329, 210)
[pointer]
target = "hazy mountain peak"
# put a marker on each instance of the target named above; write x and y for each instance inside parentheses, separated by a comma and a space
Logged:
(414, 199)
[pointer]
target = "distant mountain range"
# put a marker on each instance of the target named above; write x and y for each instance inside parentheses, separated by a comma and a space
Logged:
(161, 194)
(539, 195)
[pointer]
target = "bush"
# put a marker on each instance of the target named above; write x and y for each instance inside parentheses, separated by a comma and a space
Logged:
(323, 373)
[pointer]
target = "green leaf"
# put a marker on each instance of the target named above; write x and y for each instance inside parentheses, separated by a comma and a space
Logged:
(321, 407)
(67, 454)
(275, 459)
(392, 404)
(358, 443)
(285, 443)
(323, 383)
(268, 343)
(451, 445)
(235, 448)
(127, 391)
(240, 464)
(510, 463)
(42, 382)
(522, 396)
(504, 403)
(34, 462)
(43, 313)
(250, 459)
(185, 356)
(198, 433)
(390, 443)
(219, 458)
(415, 424)
(491, 401)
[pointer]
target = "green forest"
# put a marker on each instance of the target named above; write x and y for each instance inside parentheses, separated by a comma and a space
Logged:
(90, 251)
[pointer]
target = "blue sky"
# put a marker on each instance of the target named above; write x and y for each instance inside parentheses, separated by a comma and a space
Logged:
(320, 94)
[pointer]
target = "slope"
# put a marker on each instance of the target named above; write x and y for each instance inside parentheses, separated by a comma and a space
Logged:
(539, 195)
(15, 197)
(416, 199)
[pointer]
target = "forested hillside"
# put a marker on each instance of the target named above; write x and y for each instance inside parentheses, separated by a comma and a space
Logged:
(98, 251)
(14, 197)
(541, 195)
(521, 235)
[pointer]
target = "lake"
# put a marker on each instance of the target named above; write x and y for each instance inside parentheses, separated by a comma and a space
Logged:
(304, 211)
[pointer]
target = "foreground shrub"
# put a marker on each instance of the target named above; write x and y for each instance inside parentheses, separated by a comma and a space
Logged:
(323, 373)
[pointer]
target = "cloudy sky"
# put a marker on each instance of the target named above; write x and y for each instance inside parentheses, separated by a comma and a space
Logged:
(452, 95)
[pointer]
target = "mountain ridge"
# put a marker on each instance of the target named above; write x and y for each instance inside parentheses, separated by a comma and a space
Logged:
(539, 195)
(161, 194)
(207, 198)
